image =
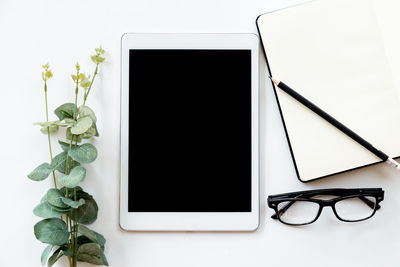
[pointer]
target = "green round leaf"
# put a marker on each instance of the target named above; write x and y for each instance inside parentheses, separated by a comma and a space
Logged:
(46, 210)
(65, 146)
(92, 235)
(51, 129)
(82, 194)
(41, 172)
(45, 254)
(51, 231)
(54, 197)
(92, 253)
(60, 162)
(89, 133)
(72, 203)
(77, 138)
(66, 123)
(54, 258)
(70, 121)
(76, 176)
(79, 193)
(67, 110)
(83, 239)
(85, 153)
(43, 199)
(82, 125)
(66, 251)
(87, 213)
(86, 111)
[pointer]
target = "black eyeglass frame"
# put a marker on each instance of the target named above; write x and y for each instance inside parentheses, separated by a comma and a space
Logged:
(341, 193)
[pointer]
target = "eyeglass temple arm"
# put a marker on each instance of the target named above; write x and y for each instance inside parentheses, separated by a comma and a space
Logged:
(284, 208)
(370, 204)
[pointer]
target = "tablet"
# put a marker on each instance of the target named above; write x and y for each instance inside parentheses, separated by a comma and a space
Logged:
(189, 132)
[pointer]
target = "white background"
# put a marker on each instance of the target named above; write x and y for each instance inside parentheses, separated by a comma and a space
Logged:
(62, 32)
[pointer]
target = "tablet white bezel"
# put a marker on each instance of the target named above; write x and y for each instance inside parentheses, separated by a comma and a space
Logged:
(189, 221)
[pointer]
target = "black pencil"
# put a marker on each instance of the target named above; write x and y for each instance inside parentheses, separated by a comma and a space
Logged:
(335, 123)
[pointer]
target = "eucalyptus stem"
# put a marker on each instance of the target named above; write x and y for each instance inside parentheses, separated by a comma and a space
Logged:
(68, 227)
(76, 102)
(67, 168)
(48, 133)
(67, 220)
(69, 260)
(91, 83)
(72, 244)
(74, 228)
(72, 241)
(76, 216)
(76, 90)
(76, 231)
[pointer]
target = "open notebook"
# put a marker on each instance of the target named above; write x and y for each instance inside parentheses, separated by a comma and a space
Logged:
(333, 53)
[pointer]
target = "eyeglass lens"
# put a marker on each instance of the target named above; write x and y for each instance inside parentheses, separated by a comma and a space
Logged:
(348, 209)
(355, 208)
(298, 212)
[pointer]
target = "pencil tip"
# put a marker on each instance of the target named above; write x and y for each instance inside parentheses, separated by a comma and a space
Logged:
(275, 81)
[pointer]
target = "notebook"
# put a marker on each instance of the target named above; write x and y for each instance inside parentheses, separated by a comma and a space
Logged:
(335, 54)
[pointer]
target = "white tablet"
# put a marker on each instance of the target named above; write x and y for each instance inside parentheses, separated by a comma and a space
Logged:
(189, 132)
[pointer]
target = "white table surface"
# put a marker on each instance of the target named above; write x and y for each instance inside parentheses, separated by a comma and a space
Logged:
(62, 32)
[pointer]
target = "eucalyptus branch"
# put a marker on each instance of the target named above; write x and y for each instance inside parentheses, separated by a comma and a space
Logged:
(76, 219)
(48, 130)
(73, 232)
(74, 113)
(86, 94)
(67, 220)
(46, 75)
(97, 59)
(67, 235)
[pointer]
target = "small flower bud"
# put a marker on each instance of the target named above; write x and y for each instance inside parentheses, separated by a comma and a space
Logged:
(82, 76)
(46, 74)
(85, 83)
(99, 51)
(97, 59)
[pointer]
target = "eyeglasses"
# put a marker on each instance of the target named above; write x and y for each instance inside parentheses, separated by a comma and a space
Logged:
(304, 207)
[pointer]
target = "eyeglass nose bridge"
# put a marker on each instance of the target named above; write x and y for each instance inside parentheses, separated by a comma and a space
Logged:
(327, 203)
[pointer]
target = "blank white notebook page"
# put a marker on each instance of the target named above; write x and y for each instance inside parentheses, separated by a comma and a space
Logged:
(332, 52)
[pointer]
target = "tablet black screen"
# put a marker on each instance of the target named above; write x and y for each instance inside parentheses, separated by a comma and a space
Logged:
(189, 131)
